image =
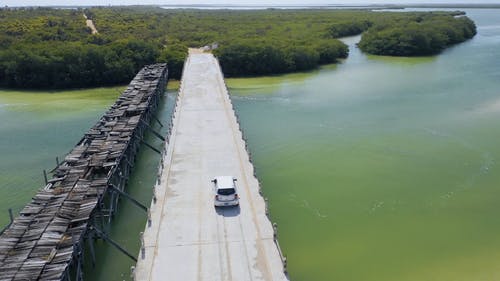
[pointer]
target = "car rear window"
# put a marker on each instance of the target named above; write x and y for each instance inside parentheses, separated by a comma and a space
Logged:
(226, 191)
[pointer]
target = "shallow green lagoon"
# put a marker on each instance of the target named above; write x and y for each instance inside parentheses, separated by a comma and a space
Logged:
(381, 168)
(36, 127)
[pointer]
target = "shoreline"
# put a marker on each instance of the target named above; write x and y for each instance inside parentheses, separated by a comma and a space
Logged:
(265, 7)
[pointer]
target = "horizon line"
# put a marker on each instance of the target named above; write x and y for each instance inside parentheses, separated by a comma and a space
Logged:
(316, 5)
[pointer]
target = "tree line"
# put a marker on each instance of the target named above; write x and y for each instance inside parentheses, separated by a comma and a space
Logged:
(420, 35)
(51, 48)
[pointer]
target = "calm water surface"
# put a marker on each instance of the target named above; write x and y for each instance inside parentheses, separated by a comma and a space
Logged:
(36, 127)
(376, 169)
(384, 169)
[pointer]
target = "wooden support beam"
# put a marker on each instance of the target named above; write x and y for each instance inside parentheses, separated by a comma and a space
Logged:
(158, 135)
(11, 216)
(45, 177)
(157, 120)
(133, 200)
(90, 240)
(102, 216)
(111, 207)
(116, 245)
(150, 146)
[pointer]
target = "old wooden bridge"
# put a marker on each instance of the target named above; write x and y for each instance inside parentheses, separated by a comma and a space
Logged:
(47, 241)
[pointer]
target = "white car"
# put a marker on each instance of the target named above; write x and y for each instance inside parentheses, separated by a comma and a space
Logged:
(225, 190)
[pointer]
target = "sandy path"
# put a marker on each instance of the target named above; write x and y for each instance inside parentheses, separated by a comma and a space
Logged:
(90, 24)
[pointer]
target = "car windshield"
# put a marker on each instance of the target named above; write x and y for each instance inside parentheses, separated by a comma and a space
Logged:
(226, 191)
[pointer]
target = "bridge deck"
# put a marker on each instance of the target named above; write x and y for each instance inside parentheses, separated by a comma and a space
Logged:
(189, 239)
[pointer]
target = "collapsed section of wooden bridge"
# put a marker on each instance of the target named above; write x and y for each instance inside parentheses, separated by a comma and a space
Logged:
(46, 241)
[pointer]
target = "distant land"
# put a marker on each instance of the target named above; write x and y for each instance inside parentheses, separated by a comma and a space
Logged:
(280, 6)
(333, 6)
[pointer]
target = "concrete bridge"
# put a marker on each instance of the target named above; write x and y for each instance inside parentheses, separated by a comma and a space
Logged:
(186, 238)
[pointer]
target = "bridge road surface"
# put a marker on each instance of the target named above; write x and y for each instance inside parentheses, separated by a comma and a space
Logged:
(189, 239)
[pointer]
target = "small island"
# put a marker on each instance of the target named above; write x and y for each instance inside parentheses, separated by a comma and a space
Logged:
(417, 35)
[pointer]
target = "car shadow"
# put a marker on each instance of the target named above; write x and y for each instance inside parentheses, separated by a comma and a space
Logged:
(229, 211)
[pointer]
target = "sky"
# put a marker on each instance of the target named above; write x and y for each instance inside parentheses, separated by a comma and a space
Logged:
(229, 2)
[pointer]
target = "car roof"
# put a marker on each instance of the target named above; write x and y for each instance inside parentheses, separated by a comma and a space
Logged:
(225, 182)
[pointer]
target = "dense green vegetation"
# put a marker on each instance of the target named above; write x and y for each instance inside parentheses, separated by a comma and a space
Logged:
(47, 48)
(251, 42)
(418, 35)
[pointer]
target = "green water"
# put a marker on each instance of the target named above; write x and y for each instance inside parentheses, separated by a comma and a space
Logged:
(377, 169)
(36, 127)
(384, 169)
